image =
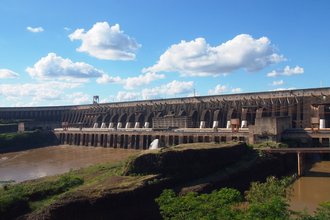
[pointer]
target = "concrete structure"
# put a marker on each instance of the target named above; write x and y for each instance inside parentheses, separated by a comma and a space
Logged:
(250, 117)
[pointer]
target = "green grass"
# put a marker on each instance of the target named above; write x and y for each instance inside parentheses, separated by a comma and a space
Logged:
(24, 194)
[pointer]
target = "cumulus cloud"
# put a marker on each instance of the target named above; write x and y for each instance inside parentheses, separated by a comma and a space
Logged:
(35, 93)
(131, 82)
(79, 98)
(236, 90)
(106, 42)
(171, 89)
(287, 71)
(278, 83)
(35, 29)
(53, 66)
(198, 58)
(219, 89)
(8, 74)
(127, 96)
(105, 78)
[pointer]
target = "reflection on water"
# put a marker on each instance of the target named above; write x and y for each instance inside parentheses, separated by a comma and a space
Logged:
(35, 163)
(312, 189)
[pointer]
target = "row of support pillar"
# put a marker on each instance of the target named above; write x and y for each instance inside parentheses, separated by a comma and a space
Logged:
(147, 125)
(230, 123)
(139, 141)
(120, 125)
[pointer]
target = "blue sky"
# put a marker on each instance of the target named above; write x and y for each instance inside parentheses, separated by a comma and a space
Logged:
(64, 52)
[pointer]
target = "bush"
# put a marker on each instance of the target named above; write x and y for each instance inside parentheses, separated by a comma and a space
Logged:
(264, 201)
(217, 205)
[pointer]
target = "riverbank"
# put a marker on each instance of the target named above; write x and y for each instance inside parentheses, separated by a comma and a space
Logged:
(12, 142)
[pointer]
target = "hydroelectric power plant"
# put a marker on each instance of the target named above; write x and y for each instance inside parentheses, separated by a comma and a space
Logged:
(301, 116)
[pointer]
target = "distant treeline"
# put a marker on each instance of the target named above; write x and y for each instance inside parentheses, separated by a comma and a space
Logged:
(27, 139)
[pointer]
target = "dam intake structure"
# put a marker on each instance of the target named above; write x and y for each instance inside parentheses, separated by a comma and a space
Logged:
(301, 116)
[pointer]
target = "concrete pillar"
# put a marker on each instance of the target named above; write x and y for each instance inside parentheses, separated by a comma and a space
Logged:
(98, 138)
(215, 124)
(300, 164)
(322, 123)
(141, 142)
(146, 124)
(82, 139)
(181, 139)
(202, 124)
(128, 125)
(244, 124)
(119, 125)
(137, 125)
(96, 125)
(111, 125)
(228, 124)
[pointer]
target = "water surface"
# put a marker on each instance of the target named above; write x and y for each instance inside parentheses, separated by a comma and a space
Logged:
(312, 189)
(40, 162)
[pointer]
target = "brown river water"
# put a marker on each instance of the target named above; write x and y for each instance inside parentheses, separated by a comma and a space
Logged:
(312, 188)
(40, 162)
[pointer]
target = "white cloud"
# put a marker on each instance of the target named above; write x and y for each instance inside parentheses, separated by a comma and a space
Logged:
(281, 89)
(79, 98)
(8, 74)
(131, 82)
(127, 96)
(35, 30)
(171, 89)
(106, 42)
(219, 89)
(35, 93)
(198, 58)
(105, 78)
(53, 66)
(236, 90)
(287, 71)
(278, 83)
(67, 29)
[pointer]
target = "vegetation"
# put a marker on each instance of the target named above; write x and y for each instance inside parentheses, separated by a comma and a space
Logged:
(269, 144)
(28, 139)
(20, 197)
(267, 200)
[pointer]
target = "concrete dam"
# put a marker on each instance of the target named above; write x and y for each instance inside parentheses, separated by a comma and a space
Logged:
(298, 115)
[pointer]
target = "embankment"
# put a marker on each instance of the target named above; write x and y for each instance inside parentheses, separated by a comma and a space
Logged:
(10, 142)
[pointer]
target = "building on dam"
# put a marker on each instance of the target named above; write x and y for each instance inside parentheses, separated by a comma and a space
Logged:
(301, 115)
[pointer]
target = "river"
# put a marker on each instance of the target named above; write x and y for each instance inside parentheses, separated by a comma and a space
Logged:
(312, 188)
(40, 162)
